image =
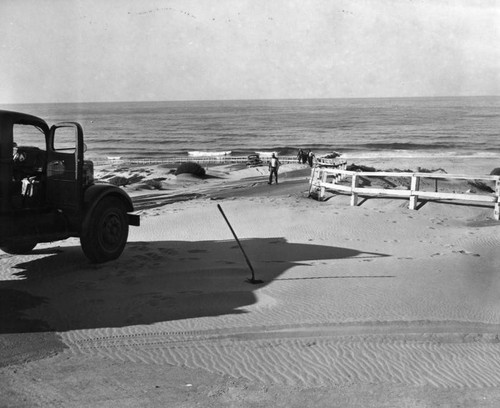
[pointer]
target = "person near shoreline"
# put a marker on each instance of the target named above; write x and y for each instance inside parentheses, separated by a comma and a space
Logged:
(274, 165)
(305, 156)
(310, 158)
(300, 154)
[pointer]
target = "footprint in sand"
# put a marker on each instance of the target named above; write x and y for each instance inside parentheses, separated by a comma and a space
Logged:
(464, 252)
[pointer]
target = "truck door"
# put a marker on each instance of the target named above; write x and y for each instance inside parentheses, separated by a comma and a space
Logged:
(64, 166)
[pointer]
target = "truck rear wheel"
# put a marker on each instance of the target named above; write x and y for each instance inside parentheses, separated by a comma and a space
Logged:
(104, 237)
(19, 248)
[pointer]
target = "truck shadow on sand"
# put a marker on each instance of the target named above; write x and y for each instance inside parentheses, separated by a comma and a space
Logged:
(59, 290)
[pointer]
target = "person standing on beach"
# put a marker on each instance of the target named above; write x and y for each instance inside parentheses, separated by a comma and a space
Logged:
(305, 155)
(300, 154)
(274, 165)
(310, 158)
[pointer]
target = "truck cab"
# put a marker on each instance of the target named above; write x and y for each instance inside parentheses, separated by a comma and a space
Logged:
(48, 193)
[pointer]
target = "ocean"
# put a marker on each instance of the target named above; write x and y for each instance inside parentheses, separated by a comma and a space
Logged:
(385, 127)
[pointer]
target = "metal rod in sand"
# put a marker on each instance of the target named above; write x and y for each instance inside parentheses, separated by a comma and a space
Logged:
(252, 279)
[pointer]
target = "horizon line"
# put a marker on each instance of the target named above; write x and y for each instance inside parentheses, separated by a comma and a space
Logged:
(251, 99)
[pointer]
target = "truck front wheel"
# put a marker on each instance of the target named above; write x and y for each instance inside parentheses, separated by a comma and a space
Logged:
(104, 237)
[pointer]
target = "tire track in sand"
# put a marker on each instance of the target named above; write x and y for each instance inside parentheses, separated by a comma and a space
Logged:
(439, 354)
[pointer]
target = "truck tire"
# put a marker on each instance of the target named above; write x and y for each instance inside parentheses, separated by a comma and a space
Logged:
(105, 236)
(19, 248)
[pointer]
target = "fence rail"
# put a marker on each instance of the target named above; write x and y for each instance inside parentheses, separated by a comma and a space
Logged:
(328, 178)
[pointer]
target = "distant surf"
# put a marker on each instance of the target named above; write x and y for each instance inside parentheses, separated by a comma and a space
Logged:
(208, 154)
(266, 154)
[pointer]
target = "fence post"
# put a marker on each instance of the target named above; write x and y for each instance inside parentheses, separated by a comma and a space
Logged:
(415, 185)
(335, 174)
(322, 189)
(354, 195)
(496, 212)
(312, 180)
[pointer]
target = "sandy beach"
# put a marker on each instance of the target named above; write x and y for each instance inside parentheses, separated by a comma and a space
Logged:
(367, 306)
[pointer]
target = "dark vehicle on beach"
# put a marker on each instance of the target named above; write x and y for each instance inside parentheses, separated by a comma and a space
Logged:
(254, 160)
(47, 191)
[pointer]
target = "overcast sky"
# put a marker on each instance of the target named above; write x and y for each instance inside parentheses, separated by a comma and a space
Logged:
(124, 50)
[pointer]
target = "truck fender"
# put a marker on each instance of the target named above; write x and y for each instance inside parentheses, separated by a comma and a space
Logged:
(96, 192)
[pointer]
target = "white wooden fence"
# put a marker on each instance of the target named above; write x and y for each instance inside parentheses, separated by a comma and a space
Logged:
(327, 178)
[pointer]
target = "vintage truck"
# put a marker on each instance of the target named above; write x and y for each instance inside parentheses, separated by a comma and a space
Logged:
(48, 193)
